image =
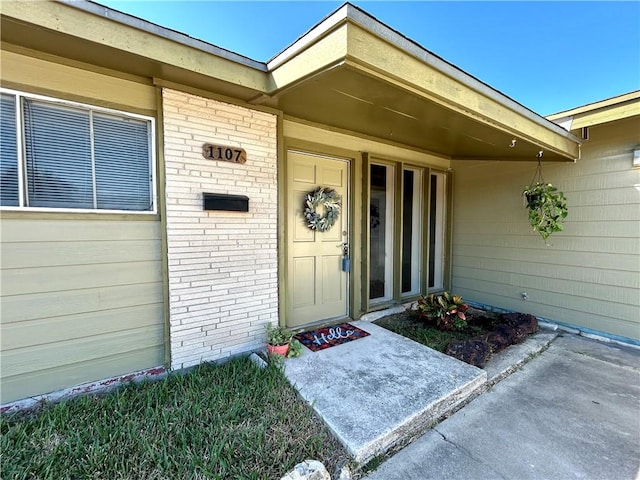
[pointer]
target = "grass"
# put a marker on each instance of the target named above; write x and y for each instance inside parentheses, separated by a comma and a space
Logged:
(232, 421)
(408, 325)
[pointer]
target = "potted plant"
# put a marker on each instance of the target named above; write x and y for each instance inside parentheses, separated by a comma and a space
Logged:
(547, 208)
(295, 349)
(447, 311)
(278, 339)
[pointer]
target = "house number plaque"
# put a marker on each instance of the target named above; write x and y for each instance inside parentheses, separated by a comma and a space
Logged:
(225, 153)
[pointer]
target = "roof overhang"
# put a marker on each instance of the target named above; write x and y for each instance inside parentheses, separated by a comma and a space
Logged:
(605, 111)
(350, 72)
(355, 73)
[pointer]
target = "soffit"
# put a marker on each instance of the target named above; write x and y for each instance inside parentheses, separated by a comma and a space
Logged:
(349, 99)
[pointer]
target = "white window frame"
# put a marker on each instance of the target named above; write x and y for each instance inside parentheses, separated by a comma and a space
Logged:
(90, 108)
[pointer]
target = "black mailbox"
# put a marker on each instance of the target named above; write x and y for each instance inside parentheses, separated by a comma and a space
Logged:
(231, 203)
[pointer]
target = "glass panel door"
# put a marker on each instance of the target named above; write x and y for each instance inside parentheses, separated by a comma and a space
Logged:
(381, 232)
(411, 231)
(437, 223)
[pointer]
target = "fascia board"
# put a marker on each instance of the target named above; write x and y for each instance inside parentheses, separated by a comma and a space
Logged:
(309, 38)
(609, 113)
(127, 33)
(394, 38)
(591, 107)
(373, 55)
(315, 57)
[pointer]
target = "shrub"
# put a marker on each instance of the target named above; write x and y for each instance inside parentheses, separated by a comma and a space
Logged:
(445, 310)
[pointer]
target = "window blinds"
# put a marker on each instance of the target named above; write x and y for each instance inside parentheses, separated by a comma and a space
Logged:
(121, 149)
(58, 156)
(76, 157)
(8, 152)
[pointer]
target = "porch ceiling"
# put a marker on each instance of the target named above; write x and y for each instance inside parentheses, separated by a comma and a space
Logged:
(349, 99)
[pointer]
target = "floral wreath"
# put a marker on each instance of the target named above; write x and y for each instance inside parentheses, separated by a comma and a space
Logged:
(331, 202)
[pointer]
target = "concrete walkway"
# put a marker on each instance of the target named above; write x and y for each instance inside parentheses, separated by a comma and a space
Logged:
(383, 390)
(571, 412)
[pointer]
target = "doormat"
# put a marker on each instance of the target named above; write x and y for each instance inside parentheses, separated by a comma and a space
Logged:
(328, 337)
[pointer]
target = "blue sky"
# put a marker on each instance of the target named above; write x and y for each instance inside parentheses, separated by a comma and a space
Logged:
(550, 56)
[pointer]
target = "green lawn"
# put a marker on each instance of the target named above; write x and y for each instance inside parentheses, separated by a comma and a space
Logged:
(233, 421)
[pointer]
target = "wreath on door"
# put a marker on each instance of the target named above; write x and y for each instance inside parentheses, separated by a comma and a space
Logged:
(328, 201)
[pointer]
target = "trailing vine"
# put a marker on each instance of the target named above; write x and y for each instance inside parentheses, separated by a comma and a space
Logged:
(546, 204)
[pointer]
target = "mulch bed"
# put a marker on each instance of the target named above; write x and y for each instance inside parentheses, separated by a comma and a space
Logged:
(487, 333)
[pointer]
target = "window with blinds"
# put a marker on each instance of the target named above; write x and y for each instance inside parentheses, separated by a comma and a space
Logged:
(68, 156)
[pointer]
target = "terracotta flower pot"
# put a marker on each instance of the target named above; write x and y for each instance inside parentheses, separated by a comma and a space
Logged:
(278, 349)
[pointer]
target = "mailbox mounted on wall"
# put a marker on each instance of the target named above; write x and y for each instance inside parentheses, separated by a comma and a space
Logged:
(230, 203)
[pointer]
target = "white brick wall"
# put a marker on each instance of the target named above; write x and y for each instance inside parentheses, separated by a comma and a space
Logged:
(222, 265)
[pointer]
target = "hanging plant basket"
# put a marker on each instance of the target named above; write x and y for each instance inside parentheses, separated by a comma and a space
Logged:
(546, 204)
(322, 209)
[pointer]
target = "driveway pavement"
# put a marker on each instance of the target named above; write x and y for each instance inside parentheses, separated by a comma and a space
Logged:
(573, 412)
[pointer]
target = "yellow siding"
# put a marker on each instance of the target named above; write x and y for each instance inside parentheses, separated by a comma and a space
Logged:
(590, 274)
(51, 78)
(81, 300)
(316, 134)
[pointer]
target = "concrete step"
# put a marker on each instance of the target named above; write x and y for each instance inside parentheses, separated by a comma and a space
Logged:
(383, 390)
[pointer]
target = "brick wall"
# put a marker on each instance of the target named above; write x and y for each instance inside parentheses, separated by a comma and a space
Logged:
(222, 265)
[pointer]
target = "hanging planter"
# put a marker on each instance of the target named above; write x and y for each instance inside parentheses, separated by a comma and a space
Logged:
(546, 204)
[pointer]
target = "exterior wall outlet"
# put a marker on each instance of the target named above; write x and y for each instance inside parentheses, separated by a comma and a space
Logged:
(525, 296)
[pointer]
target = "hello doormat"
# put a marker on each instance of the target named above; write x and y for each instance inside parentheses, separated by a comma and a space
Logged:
(328, 337)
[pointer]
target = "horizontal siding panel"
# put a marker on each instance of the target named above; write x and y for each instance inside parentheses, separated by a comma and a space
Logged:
(574, 273)
(530, 283)
(604, 213)
(59, 329)
(50, 254)
(53, 379)
(600, 308)
(628, 245)
(616, 196)
(27, 230)
(43, 74)
(589, 164)
(41, 357)
(555, 257)
(623, 229)
(507, 300)
(17, 308)
(601, 181)
(77, 277)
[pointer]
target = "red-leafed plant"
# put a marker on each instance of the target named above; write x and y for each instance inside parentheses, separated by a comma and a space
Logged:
(445, 310)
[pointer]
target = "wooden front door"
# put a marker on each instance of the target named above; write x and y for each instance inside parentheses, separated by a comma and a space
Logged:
(317, 286)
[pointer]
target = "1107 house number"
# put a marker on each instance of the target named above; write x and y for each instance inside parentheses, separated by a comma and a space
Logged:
(211, 151)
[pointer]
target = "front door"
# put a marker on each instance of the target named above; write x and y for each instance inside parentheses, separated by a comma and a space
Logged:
(317, 285)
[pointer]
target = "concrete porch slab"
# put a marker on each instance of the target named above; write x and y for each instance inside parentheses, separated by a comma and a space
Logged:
(381, 390)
